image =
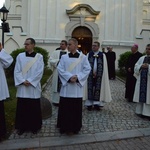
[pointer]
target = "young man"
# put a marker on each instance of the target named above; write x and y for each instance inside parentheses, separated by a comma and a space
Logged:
(130, 79)
(141, 93)
(73, 70)
(98, 89)
(27, 74)
(54, 60)
(5, 62)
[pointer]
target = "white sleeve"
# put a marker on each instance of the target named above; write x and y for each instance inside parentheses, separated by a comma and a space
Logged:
(18, 77)
(5, 59)
(137, 67)
(86, 68)
(53, 59)
(63, 73)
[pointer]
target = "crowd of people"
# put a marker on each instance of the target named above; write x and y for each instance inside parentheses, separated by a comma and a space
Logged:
(76, 77)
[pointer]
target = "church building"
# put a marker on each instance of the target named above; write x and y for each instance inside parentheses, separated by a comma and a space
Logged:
(116, 23)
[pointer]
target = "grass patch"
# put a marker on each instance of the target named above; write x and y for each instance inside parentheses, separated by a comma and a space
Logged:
(11, 103)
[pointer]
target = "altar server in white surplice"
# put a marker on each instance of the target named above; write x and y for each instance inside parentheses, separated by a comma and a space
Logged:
(27, 74)
(73, 70)
(5, 62)
(142, 88)
(54, 60)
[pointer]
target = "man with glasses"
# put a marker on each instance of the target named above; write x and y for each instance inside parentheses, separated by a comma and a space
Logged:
(54, 60)
(28, 72)
(98, 89)
(141, 93)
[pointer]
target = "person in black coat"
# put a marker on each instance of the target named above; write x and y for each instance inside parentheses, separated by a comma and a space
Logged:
(130, 79)
(111, 57)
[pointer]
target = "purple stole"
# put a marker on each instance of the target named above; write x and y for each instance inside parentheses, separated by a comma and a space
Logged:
(143, 82)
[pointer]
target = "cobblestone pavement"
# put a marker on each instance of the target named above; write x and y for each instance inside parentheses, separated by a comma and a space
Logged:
(142, 143)
(118, 115)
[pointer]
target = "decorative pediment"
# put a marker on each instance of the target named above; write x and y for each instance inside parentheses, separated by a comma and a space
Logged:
(82, 11)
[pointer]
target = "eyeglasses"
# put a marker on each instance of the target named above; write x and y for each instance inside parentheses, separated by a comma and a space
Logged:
(94, 45)
(26, 44)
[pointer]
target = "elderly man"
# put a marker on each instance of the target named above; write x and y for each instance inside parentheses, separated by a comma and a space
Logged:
(54, 60)
(27, 74)
(73, 70)
(142, 94)
(130, 79)
(5, 62)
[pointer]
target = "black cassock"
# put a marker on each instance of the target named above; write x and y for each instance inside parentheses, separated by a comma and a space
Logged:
(130, 79)
(2, 120)
(111, 57)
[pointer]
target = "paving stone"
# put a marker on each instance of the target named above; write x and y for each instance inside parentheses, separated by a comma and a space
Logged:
(118, 115)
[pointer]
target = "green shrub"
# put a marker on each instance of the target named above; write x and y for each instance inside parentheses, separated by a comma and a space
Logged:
(15, 53)
(122, 62)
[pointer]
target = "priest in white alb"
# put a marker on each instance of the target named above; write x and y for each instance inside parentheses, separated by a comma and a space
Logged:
(142, 88)
(73, 70)
(5, 62)
(54, 60)
(27, 74)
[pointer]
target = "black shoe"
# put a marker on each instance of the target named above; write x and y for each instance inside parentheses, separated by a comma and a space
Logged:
(70, 133)
(76, 132)
(96, 107)
(61, 131)
(34, 132)
(56, 104)
(89, 108)
(20, 132)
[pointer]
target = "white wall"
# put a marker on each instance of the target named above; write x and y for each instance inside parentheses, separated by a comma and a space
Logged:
(120, 22)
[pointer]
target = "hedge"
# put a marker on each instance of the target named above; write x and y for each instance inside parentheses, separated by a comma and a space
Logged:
(122, 62)
(14, 54)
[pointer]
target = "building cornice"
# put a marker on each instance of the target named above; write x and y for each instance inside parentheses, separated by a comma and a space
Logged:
(14, 17)
(79, 6)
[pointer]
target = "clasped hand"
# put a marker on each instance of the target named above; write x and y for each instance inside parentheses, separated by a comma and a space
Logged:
(74, 78)
(145, 65)
(26, 83)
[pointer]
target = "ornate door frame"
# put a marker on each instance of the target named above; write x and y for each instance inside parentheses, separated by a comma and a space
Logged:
(82, 15)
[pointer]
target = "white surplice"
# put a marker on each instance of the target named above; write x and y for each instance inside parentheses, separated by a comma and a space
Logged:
(33, 75)
(54, 60)
(142, 108)
(82, 70)
(105, 94)
(5, 62)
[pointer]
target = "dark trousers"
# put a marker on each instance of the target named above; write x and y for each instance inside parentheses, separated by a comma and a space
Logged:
(2, 120)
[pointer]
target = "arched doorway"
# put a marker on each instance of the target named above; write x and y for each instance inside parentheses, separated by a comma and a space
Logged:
(84, 37)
